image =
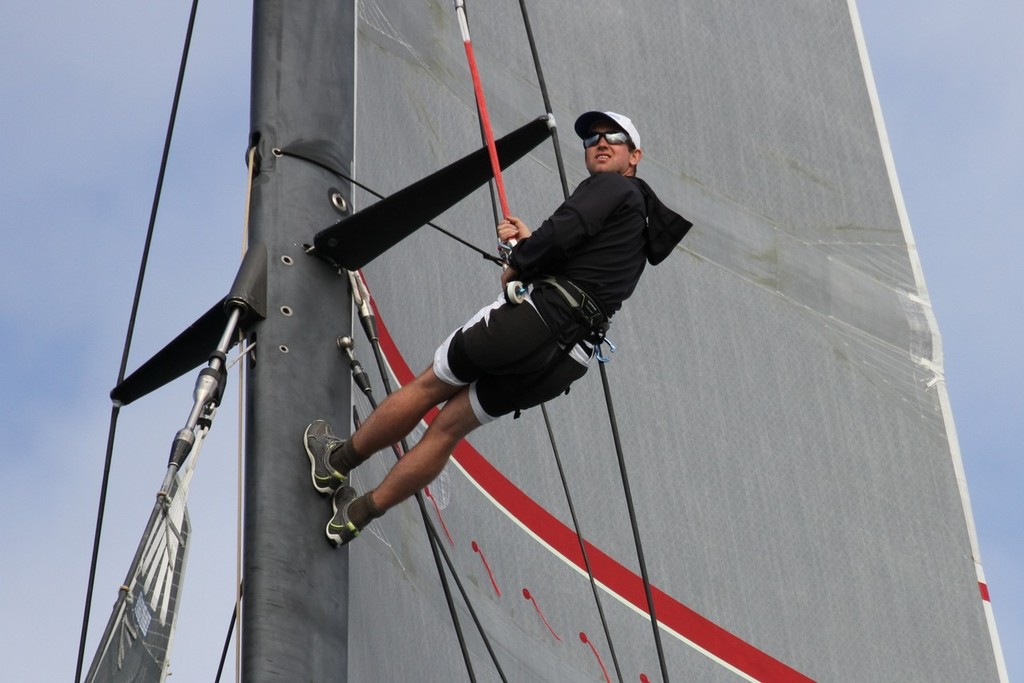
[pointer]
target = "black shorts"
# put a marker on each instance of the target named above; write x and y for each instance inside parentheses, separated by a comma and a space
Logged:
(510, 359)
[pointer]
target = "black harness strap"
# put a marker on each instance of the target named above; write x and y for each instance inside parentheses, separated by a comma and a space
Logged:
(585, 309)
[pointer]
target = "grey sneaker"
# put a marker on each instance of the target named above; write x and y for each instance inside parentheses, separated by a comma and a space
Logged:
(340, 530)
(320, 442)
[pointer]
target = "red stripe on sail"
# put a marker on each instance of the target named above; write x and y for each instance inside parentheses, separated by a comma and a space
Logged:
(620, 580)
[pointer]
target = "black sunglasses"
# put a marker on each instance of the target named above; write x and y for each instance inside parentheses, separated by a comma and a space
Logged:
(616, 137)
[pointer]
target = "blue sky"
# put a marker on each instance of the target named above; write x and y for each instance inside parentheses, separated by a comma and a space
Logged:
(84, 97)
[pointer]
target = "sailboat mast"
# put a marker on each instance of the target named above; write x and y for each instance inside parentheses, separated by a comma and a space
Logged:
(294, 609)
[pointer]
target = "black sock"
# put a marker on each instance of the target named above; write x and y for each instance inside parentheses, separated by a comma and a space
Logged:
(344, 458)
(362, 511)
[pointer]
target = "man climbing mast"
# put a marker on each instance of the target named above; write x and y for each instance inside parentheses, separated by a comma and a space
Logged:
(578, 268)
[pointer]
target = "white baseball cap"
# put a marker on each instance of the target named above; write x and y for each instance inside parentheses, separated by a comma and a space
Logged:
(585, 121)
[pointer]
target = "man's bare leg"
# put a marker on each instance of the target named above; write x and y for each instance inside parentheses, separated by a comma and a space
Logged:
(426, 459)
(392, 420)
(398, 414)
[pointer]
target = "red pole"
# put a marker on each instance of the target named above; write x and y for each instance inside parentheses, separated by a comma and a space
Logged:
(485, 119)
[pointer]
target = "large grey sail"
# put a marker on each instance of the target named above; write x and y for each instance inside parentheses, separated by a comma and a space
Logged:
(789, 455)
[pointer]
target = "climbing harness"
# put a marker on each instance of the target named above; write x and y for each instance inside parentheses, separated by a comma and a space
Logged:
(585, 309)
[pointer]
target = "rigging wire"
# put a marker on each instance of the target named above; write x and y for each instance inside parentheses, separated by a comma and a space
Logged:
(436, 548)
(361, 296)
(608, 401)
(580, 539)
(227, 641)
(562, 176)
(116, 409)
(488, 136)
(633, 523)
(544, 96)
(316, 162)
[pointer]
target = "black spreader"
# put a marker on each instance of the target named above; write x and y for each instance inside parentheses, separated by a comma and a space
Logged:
(193, 347)
(355, 241)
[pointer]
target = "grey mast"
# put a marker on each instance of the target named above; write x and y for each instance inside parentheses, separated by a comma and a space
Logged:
(294, 616)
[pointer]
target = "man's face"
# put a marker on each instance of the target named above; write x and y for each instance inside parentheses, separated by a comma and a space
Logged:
(604, 157)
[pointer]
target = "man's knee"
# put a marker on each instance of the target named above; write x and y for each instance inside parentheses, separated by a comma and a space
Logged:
(457, 418)
(429, 383)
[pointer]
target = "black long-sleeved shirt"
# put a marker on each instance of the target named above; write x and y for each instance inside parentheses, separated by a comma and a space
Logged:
(595, 238)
